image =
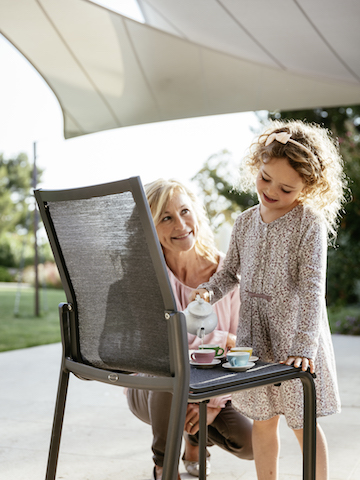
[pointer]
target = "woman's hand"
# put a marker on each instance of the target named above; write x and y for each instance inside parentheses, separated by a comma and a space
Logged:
(230, 341)
(200, 291)
(192, 417)
(302, 362)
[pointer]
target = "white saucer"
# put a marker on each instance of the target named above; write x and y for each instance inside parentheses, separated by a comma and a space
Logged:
(238, 369)
(253, 359)
(212, 364)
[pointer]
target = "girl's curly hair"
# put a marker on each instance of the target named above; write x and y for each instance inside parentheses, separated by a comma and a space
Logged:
(319, 165)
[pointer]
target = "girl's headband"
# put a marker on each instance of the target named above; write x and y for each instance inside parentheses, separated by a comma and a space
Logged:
(284, 137)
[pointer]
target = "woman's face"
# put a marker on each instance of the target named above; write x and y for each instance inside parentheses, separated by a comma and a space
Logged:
(178, 225)
(278, 186)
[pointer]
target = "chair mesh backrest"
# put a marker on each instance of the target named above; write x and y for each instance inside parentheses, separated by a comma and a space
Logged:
(120, 306)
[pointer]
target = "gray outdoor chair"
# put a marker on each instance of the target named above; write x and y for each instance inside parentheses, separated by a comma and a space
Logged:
(120, 308)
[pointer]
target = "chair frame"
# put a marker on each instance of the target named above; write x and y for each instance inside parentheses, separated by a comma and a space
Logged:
(183, 383)
(72, 362)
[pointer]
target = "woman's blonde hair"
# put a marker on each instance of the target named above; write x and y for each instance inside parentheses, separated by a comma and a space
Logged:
(161, 191)
(314, 153)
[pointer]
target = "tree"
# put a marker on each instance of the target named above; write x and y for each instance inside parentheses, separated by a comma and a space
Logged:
(216, 183)
(336, 119)
(16, 205)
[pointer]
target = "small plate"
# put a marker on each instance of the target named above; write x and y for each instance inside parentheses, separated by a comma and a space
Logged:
(253, 359)
(212, 364)
(238, 369)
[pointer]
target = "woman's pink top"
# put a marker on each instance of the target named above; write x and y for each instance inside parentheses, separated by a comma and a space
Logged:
(227, 311)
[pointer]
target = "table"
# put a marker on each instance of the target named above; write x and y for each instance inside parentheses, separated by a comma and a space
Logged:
(206, 383)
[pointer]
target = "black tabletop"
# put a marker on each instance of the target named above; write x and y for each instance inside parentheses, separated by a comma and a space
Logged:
(217, 377)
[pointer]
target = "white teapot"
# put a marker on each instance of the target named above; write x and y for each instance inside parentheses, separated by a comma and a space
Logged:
(200, 317)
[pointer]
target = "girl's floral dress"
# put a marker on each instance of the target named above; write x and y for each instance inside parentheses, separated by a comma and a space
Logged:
(281, 267)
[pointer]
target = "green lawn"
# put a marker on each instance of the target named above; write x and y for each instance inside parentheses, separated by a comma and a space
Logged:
(26, 330)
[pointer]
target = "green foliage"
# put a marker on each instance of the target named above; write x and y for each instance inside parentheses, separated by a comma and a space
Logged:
(335, 119)
(15, 182)
(7, 257)
(16, 206)
(5, 275)
(25, 330)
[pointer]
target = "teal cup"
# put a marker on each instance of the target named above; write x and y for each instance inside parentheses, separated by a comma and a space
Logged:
(238, 359)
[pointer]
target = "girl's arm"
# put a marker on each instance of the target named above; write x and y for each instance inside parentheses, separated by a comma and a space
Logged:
(311, 287)
(228, 277)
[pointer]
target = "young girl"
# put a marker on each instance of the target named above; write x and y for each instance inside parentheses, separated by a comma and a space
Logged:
(277, 253)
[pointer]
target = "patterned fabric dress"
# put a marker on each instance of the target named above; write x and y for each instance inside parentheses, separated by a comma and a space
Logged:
(281, 267)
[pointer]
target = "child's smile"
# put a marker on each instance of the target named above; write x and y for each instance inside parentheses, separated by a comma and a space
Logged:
(278, 186)
(270, 200)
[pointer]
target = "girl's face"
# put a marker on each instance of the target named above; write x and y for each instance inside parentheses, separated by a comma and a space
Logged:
(278, 186)
(178, 225)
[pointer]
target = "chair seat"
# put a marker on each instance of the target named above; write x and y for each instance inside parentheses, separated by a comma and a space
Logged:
(207, 383)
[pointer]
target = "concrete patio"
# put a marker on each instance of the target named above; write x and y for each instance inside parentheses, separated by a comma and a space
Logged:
(102, 440)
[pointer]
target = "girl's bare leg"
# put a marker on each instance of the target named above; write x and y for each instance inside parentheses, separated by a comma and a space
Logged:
(322, 460)
(266, 448)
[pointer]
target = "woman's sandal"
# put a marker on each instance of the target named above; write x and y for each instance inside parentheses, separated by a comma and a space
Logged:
(193, 467)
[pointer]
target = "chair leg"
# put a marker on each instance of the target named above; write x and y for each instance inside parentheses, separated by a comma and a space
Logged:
(57, 425)
(309, 433)
(202, 439)
(174, 435)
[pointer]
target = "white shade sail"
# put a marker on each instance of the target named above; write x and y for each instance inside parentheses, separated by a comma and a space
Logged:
(191, 58)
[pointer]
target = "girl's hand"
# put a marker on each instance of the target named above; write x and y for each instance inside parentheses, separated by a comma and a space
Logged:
(303, 362)
(200, 291)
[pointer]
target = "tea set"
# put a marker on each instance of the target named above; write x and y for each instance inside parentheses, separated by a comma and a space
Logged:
(201, 320)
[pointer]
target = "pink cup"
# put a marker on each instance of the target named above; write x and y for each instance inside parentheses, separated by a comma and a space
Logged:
(203, 356)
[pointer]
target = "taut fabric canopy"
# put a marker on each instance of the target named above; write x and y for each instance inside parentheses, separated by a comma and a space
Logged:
(191, 58)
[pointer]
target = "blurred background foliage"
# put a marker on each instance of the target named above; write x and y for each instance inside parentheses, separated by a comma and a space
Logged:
(17, 205)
